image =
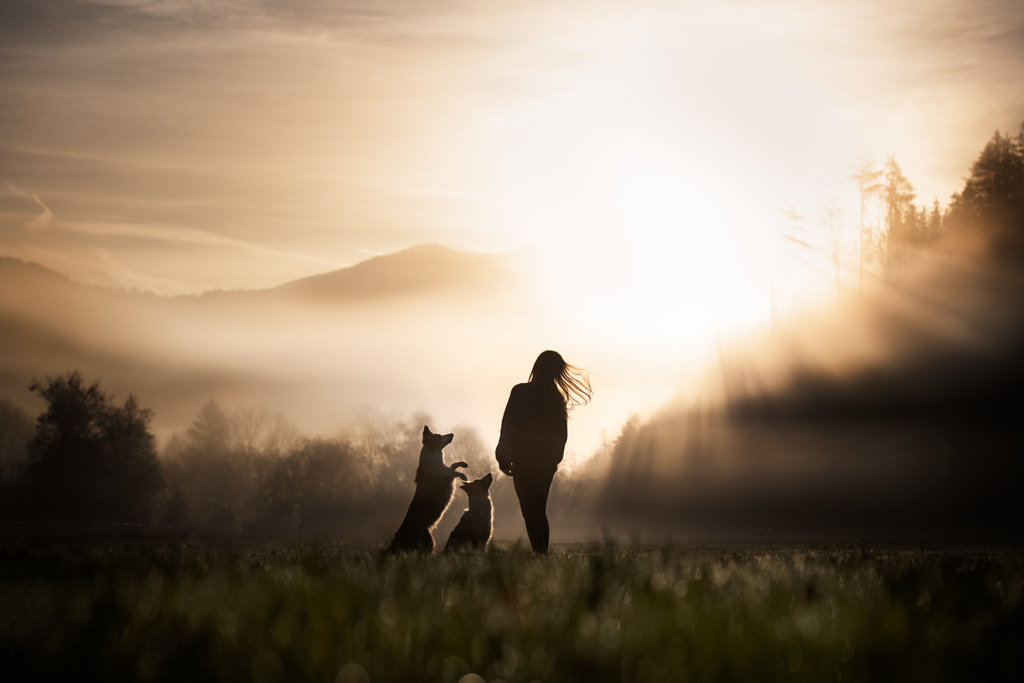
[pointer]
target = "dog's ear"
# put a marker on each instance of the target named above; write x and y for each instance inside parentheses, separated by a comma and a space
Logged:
(426, 431)
(488, 479)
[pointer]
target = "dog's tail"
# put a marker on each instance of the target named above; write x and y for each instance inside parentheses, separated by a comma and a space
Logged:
(454, 466)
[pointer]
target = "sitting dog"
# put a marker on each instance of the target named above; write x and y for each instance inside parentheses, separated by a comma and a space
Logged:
(473, 531)
(435, 488)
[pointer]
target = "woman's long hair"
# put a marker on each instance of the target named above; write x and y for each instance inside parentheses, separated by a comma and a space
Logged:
(572, 382)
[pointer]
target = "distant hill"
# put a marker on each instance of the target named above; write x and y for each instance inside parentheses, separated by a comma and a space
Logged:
(21, 282)
(415, 271)
(419, 272)
(28, 271)
(341, 334)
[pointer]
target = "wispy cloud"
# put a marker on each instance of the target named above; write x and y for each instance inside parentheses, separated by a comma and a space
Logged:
(181, 236)
(40, 221)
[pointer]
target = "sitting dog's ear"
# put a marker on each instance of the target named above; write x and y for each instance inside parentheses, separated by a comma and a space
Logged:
(426, 430)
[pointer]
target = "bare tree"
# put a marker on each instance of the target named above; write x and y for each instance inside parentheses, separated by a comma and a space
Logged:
(832, 215)
(867, 176)
(258, 431)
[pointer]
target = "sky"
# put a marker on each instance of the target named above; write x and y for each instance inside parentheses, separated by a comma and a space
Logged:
(179, 146)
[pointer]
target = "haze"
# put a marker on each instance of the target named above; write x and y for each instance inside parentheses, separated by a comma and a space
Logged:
(623, 184)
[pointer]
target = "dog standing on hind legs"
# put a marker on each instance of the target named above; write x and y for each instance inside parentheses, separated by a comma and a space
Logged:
(473, 531)
(435, 488)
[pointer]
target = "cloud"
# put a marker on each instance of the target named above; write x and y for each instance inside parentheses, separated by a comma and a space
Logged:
(40, 221)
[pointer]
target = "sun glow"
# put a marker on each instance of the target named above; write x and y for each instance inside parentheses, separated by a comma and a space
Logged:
(645, 245)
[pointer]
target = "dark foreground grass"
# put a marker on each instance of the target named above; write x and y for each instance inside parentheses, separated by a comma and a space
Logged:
(156, 612)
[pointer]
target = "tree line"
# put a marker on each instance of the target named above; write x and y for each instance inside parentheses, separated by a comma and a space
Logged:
(886, 228)
(89, 462)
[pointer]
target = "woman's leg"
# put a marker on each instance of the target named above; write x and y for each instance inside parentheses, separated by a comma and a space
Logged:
(532, 489)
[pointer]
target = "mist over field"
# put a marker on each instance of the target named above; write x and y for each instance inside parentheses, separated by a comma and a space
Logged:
(294, 412)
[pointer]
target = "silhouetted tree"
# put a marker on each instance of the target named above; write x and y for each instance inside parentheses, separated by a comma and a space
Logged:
(15, 432)
(317, 481)
(935, 222)
(210, 431)
(90, 460)
(216, 466)
(992, 201)
(631, 463)
(214, 478)
(902, 225)
(129, 446)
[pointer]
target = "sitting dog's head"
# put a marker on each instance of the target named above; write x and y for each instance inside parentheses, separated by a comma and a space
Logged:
(435, 442)
(478, 487)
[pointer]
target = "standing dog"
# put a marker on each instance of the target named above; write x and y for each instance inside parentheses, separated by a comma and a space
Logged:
(474, 529)
(435, 487)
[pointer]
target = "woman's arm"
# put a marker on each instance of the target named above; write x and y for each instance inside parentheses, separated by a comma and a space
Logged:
(511, 428)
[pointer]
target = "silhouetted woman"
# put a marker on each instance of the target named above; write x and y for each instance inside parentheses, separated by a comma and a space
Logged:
(533, 435)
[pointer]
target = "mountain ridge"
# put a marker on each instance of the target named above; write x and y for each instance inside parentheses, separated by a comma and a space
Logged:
(9, 264)
(417, 268)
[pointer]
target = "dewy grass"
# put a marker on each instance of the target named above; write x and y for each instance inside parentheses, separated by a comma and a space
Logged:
(154, 612)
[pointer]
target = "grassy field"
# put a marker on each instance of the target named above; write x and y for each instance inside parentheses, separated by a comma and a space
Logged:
(184, 612)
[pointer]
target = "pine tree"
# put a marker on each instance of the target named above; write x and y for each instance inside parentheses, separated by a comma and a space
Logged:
(210, 431)
(901, 218)
(992, 201)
